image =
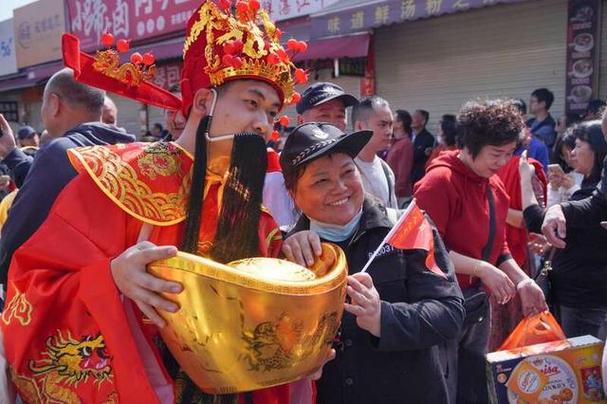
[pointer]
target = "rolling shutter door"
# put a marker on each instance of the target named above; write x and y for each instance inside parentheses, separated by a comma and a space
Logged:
(501, 51)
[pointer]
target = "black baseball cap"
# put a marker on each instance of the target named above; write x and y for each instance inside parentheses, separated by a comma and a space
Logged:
(312, 140)
(319, 93)
(26, 132)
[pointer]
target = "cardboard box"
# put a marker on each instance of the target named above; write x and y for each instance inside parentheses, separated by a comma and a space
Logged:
(561, 372)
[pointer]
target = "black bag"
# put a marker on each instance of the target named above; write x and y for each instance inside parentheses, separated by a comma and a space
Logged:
(476, 304)
(476, 301)
(543, 276)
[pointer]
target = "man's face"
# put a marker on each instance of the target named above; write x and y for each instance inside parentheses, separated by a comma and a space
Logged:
(417, 120)
(333, 112)
(33, 141)
(535, 106)
(156, 131)
(381, 123)
(109, 114)
(243, 106)
(48, 114)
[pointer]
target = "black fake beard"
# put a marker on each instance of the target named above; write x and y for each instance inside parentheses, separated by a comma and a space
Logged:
(237, 227)
(237, 233)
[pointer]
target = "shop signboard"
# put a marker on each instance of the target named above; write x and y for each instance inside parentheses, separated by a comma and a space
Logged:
(583, 43)
(38, 28)
(8, 59)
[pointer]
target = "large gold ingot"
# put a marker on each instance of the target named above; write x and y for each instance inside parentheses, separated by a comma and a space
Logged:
(253, 323)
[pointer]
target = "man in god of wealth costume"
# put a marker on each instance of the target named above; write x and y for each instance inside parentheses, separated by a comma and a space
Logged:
(84, 319)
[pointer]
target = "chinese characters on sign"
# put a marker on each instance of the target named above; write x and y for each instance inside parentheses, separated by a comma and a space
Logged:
(139, 19)
(131, 19)
(285, 9)
(38, 28)
(583, 36)
(375, 14)
(168, 75)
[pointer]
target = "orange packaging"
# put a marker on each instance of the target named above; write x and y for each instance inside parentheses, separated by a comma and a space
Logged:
(560, 372)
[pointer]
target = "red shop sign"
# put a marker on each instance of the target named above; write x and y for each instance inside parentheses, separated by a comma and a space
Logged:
(168, 75)
(132, 19)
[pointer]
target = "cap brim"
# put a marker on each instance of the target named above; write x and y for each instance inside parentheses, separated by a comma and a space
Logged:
(350, 144)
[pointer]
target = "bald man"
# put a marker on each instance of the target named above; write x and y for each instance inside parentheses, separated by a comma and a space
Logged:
(71, 113)
(109, 112)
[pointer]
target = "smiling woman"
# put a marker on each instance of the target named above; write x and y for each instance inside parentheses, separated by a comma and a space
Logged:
(398, 311)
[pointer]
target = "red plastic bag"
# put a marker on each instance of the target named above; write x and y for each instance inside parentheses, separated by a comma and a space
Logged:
(532, 330)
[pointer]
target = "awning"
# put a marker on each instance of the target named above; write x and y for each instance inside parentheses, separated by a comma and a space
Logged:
(350, 16)
(351, 46)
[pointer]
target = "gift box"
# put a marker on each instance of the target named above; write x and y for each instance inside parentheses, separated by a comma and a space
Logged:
(559, 372)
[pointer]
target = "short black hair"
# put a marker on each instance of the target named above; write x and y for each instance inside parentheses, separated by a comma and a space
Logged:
(425, 114)
(591, 132)
(488, 123)
(595, 107)
(449, 128)
(448, 117)
(362, 111)
(158, 126)
(571, 118)
(521, 105)
(544, 95)
(566, 139)
(405, 118)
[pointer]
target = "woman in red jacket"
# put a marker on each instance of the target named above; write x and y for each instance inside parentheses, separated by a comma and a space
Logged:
(466, 199)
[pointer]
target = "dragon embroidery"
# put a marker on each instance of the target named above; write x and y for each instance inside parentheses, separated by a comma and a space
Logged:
(67, 362)
(272, 345)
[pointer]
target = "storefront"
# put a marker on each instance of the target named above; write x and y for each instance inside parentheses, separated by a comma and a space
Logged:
(508, 51)
(437, 55)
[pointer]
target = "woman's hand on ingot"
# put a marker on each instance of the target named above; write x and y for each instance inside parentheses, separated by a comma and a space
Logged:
(365, 303)
(302, 248)
(133, 280)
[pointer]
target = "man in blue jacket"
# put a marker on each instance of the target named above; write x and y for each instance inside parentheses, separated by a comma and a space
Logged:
(71, 113)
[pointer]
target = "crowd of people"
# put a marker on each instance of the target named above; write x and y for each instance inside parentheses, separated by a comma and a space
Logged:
(84, 211)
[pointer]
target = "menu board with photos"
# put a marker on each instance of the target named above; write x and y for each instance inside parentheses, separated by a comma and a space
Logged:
(583, 44)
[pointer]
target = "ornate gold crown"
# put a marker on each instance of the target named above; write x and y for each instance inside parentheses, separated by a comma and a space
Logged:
(243, 44)
(140, 68)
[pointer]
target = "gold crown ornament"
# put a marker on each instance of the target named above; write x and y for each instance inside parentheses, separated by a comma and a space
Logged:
(140, 67)
(222, 45)
(252, 323)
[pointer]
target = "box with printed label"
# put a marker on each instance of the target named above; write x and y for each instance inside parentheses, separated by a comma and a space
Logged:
(560, 372)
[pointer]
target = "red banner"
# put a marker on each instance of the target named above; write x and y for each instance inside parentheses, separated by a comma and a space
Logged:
(131, 19)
